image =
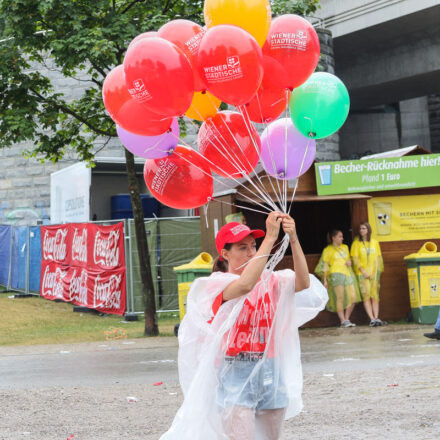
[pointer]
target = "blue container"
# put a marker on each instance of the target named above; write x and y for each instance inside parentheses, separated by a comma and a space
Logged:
(121, 206)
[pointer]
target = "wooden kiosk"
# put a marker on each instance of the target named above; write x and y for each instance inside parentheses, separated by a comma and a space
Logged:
(316, 215)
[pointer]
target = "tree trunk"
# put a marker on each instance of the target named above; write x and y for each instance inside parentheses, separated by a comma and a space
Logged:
(151, 328)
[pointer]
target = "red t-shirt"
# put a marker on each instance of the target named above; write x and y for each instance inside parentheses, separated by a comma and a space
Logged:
(250, 331)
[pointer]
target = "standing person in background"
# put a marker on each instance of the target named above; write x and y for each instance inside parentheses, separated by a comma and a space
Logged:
(368, 265)
(334, 268)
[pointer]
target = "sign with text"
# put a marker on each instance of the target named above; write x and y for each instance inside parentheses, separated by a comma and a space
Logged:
(405, 217)
(369, 175)
(70, 194)
(84, 264)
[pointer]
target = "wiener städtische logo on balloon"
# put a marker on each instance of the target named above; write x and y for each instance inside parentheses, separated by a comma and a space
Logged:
(289, 40)
(139, 92)
(163, 175)
(224, 72)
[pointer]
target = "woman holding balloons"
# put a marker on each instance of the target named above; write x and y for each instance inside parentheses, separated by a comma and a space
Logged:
(239, 354)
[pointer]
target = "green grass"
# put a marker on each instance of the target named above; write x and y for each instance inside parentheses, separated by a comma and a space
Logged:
(34, 320)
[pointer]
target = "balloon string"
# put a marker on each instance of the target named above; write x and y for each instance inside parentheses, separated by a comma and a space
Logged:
(223, 171)
(302, 162)
(231, 157)
(299, 174)
(247, 119)
(285, 154)
(278, 194)
(219, 181)
(240, 206)
(263, 193)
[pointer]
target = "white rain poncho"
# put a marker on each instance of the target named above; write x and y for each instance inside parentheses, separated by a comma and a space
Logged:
(212, 380)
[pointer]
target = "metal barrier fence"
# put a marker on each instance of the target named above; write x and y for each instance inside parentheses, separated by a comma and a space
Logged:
(172, 242)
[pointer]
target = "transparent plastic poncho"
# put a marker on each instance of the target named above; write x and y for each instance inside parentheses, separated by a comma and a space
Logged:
(221, 365)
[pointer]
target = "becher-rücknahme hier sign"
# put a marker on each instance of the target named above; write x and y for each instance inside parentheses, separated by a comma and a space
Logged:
(385, 174)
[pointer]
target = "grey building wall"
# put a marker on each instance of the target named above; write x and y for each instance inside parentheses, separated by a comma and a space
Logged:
(386, 127)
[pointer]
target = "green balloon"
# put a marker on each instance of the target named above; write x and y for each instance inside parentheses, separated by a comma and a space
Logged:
(319, 107)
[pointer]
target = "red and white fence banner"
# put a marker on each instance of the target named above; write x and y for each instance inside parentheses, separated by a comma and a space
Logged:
(84, 264)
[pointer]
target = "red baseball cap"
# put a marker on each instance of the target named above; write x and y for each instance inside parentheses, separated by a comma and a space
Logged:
(234, 232)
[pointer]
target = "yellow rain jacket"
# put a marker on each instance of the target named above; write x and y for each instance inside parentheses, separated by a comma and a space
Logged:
(343, 288)
(367, 255)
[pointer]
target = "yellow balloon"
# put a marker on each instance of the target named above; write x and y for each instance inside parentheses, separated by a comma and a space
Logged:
(204, 105)
(252, 15)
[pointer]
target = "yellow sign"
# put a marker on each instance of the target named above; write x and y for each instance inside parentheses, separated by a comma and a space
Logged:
(405, 217)
(414, 294)
(430, 285)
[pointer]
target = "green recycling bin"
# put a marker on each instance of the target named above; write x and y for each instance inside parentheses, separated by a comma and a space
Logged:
(424, 283)
(201, 266)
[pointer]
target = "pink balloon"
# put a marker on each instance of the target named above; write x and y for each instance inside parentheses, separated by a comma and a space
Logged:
(151, 147)
(285, 152)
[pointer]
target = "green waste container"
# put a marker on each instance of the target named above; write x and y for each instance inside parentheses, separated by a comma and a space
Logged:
(424, 283)
(199, 267)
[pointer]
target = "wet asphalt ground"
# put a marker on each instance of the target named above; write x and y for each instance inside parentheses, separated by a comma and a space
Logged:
(147, 361)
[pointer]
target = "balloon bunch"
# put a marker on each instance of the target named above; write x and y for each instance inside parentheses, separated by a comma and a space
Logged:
(242, 57)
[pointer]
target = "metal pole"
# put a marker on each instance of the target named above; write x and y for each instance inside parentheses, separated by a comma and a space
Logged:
(28, 259)
(10, 258)
(130, 243)
(126, 239)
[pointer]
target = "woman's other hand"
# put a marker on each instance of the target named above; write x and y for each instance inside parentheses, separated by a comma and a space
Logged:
(289, 227)
(348, 263)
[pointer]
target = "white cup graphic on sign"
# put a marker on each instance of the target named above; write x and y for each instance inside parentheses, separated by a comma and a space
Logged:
(325, 174)
(382, 214)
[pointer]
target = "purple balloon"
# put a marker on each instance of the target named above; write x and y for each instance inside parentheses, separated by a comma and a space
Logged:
(151, 147)
(285, 152)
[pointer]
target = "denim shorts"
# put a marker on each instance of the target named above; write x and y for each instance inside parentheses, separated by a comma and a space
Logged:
(239, 387)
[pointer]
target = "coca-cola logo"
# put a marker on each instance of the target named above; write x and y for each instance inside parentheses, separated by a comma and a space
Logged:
(78, 287)
(107, 294)
(106, 250)
(79, 246)
(54, 247)
(52, 284)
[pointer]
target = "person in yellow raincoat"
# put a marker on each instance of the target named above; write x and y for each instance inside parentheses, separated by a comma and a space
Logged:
(368, 265)
(334, 268)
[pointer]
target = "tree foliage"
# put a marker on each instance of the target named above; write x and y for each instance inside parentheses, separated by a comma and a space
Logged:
(83, 40)
(300, 7)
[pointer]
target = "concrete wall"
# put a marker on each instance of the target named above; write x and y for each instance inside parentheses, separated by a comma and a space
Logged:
(344, 17)
(386, 128)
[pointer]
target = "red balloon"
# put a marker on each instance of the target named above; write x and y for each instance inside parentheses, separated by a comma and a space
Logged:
(159, 76)
(272, 96)
(231, 142)
(186, 35)
(230, 64)
(141, 37)
(293, 41)
(126, 112)
(182, 180)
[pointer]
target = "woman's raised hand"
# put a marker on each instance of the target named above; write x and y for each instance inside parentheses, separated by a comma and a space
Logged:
(289, 227)
(273, 223)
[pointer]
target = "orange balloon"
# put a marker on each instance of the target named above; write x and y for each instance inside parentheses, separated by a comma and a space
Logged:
(253, 16)
(204, 105)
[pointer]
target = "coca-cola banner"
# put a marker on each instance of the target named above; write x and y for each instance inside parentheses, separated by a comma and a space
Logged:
(84, 264)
